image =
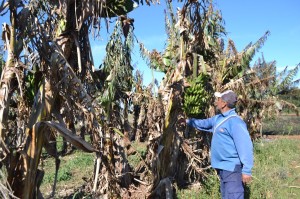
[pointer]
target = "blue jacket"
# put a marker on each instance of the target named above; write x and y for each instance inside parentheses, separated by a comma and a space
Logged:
(231, 143)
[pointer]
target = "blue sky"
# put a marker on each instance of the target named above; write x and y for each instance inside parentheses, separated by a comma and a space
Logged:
(245, 21)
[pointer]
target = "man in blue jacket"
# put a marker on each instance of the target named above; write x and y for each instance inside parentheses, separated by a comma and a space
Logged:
(231, 147)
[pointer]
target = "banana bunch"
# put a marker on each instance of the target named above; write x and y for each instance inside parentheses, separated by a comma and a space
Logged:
(196, 97)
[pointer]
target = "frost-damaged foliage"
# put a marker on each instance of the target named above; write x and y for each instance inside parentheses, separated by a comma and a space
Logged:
(182, 154)
(258, 86)
(195, 49)
(49, 86)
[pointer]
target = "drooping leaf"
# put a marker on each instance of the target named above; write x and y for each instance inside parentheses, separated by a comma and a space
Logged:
(75, 140)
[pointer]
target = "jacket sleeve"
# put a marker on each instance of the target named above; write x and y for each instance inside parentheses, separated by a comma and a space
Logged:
(201, 124)
(243, 145)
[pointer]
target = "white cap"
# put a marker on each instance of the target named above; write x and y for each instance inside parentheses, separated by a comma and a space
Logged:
(228, 96)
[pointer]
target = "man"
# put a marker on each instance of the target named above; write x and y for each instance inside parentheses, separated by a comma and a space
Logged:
(231, 147)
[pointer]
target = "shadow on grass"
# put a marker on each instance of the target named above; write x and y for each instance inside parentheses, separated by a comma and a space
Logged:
(247, 192)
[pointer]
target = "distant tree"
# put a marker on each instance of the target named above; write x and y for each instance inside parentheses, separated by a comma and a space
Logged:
(277, 83)
(291, 95)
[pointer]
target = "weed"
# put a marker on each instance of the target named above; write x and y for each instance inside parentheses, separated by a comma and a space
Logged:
(134, 160)
(140, 147)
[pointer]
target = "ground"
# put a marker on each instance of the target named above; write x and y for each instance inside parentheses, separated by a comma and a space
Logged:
(282, 136)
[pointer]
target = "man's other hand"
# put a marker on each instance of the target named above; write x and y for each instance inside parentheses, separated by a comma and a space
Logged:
(246, 178)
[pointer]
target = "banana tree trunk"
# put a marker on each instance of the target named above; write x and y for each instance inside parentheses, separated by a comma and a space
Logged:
(7, 76)
(27, 167)
(167, 164)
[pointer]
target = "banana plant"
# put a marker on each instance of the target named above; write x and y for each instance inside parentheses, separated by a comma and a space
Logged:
(51, 32)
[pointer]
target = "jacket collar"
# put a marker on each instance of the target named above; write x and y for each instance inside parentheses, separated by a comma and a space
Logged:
(229, 112)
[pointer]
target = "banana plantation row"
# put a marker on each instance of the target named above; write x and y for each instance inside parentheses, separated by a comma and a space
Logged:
(50, 86)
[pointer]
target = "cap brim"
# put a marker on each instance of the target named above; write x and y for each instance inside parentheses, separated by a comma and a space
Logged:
(218, 94)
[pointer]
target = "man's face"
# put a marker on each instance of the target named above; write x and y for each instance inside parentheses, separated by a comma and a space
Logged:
(220, 104)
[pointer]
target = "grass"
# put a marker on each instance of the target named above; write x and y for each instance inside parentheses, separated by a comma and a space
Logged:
(276, 173)
(135, 159)
(277, 169)
(209, 189)
(73, 168)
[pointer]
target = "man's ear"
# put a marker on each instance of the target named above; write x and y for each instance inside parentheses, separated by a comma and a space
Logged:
(224, 104)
